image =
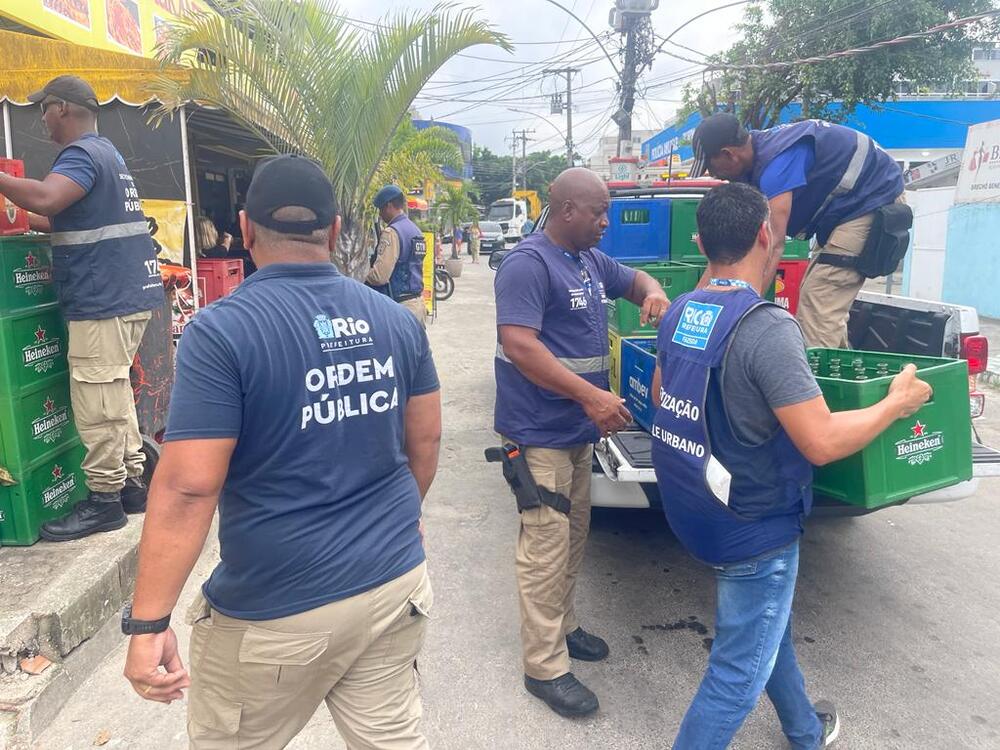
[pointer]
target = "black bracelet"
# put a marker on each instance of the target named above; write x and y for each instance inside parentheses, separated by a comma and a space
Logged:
(142, 627)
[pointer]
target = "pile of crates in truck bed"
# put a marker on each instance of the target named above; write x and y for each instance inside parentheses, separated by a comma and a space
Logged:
(40, 451)
(658, 236)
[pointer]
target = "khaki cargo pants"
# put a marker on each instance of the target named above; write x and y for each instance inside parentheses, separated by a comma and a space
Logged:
(550, 549)
(255, 684)
(100, 357)
(418, 308)
(828, 292)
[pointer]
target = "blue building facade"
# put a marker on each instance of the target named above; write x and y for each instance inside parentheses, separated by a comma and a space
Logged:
(913, 130)
(465, 143)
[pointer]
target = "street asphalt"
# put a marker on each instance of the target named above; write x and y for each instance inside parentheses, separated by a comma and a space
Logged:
(897, 614)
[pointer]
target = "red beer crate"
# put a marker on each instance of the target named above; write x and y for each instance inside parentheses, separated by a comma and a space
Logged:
(788, 283)
(13, 219)
(218, 277)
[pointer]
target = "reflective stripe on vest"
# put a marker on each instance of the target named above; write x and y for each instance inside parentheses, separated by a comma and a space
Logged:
(89, 236)
(576, 365)
(847, 182)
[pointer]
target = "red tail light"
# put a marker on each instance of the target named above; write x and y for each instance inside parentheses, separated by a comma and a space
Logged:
(976, 351)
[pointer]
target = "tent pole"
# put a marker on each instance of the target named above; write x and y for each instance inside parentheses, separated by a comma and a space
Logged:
(8, 146)
(190, 206)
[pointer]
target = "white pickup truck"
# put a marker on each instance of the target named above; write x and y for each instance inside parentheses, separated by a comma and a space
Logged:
(623, 470)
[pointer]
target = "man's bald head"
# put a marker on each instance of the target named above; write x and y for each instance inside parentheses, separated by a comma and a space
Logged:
(577, 184)
(578, 209)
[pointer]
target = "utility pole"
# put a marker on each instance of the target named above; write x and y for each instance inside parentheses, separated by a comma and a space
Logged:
(631, 19)
(568, 72)
(522, 136)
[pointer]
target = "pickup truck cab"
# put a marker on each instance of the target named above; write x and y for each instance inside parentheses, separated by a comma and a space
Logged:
(624, 476)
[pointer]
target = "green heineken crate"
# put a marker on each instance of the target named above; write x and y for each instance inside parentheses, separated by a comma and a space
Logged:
(675, 278)
(684, 233)
(36, 423)
(925, 452)
(43, 491)
(25, 272)
(796, 249)
(33, 345)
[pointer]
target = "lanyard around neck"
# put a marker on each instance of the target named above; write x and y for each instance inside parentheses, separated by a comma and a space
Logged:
(731, 282)
(584, 273)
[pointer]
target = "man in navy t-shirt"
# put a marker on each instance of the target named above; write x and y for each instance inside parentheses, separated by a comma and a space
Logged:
(820, 179)
(553, 402)
(307, 404)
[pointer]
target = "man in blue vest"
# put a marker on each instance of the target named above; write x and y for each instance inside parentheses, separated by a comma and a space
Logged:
(107, 280)
(553, 402)
(821, 180)
(398, 268)
(741, 423)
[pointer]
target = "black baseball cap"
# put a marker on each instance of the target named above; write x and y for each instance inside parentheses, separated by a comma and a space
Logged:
(283, 181)
(70, 89)
(712, 135)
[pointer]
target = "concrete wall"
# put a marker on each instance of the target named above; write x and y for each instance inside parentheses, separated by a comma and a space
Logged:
(972, 270)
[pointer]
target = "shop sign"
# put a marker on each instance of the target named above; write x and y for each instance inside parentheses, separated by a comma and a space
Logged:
(979, 176)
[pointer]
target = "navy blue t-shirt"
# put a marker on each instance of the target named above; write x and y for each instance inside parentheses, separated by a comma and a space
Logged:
(310, 371)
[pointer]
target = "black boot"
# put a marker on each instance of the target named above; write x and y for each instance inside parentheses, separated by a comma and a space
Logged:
(134, 495)
(565, 695)
(586, 647)
(101, 511)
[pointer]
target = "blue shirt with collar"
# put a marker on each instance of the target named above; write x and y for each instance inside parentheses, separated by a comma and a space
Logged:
(562, 296)
(310, 372)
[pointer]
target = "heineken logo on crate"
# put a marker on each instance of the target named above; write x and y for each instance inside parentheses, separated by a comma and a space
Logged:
(41, 354)
(49, 426)
(61, 488)
(920, 447)
(33, 277)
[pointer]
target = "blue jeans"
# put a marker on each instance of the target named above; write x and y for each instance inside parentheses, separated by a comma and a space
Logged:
(752, 652)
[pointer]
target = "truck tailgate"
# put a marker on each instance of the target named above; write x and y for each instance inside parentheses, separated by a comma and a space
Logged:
(627, 457)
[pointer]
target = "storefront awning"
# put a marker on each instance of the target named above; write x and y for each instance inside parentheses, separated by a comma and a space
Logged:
(31, 61)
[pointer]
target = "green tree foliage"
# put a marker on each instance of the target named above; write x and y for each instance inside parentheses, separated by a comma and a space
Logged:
(415, 157)
(454, 206)
(308, 79)
(782, 30)
(493, 173)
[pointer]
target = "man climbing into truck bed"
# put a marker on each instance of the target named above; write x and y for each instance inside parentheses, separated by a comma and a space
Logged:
(825, 180)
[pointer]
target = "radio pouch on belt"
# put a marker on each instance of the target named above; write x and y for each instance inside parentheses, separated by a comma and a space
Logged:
(887, 243)
(522, 483)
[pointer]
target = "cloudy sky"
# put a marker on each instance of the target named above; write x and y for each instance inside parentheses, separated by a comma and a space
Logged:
(493, 92)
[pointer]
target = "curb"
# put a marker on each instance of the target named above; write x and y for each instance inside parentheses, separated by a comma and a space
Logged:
(71, 621)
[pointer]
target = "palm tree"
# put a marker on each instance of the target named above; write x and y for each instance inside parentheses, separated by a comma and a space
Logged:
(455, 206)
(415, 157)
(308, 79)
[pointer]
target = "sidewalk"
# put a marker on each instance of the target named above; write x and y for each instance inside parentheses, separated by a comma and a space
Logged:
(990, 328)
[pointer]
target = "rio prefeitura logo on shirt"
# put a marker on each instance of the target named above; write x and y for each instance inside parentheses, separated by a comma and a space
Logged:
(355, 387)
(920, 447)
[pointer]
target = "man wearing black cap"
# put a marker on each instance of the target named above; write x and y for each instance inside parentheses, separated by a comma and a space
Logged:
(821, 180)
(107, 280)
(398, 269)
(307, 406)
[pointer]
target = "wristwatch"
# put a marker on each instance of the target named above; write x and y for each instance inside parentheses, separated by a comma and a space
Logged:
(142, 627)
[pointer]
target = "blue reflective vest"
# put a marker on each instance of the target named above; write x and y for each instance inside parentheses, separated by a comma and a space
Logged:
(878, 183)
(407, 279)
(726, 501)
(103, 261)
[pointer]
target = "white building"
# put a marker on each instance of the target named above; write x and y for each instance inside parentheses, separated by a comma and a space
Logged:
(608, 149)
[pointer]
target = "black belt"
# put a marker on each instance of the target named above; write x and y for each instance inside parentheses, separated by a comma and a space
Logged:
(841, 261)
(408, 297)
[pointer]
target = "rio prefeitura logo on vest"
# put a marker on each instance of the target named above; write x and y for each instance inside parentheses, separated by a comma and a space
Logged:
(341, 333)
(920, 447)
(33, 276)
(43, 352)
